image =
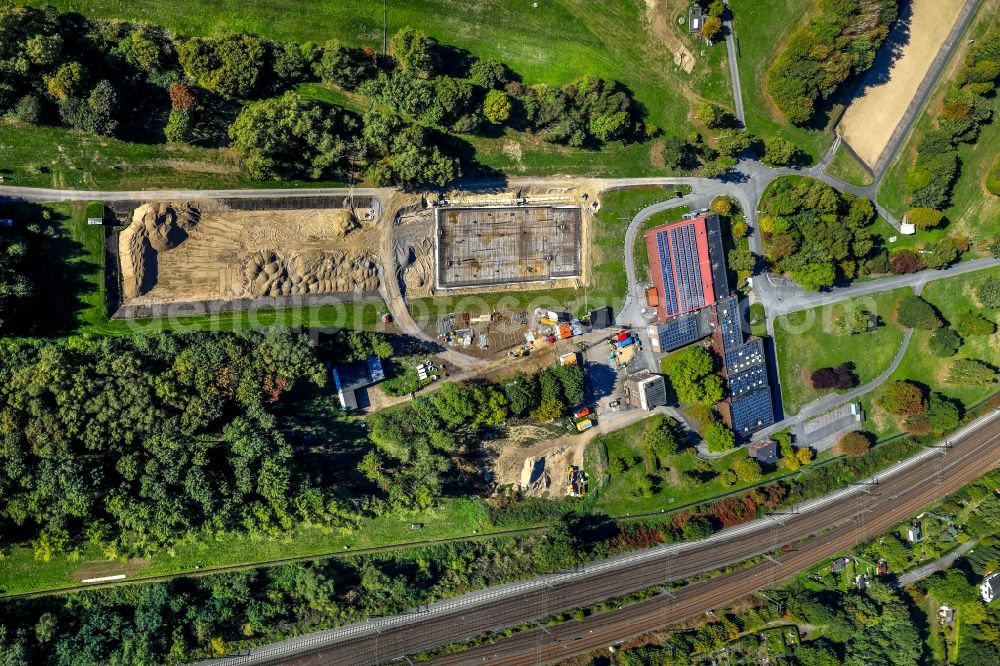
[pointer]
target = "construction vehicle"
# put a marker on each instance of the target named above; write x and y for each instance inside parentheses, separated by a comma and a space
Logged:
(580, 413)
(585, 424)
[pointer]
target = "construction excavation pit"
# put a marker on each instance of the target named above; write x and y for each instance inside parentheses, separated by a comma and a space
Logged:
(495, 246)
(191, 251)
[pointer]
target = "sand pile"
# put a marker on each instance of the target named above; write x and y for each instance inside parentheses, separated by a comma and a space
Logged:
(155, 228)
(273, 273)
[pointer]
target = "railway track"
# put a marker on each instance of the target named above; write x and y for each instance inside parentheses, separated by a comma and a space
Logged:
(819, 533)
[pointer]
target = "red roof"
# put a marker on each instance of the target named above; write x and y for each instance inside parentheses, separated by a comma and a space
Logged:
(681, 300)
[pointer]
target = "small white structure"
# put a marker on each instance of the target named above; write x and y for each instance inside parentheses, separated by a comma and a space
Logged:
(907, 229)
(990, 589)
(913, 533)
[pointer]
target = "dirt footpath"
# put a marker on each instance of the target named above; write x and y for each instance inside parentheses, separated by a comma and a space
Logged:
(869, 122)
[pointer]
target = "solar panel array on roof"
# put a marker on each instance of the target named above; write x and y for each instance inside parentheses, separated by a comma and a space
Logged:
(752, 411)
(728, 310)
(676, 333)
(748, 380)
(744, 356)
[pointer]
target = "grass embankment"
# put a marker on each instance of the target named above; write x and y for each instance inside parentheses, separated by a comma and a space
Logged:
(808, 340)
(609, 283)
(641, 253)
(762, 29)
(973, 212)
(555, 43)
(952, 297)
(678, 480)
(847, 168)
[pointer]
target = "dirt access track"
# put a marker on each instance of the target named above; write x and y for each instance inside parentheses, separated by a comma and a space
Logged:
(900, 66)
(179, 252)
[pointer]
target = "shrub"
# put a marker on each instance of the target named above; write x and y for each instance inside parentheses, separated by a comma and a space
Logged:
(28, 110)
(924, 218)
(974, 323)
(722, 205)
(905, 261)
(915, 312)
(854, 444)
(747, 470)
(903, 398)
(945, 342)
(496, 107)
(993, 179)
(839, 378)
(779, 152)
(972, 372)
(719, 438)
(804, 455)
(989, 292)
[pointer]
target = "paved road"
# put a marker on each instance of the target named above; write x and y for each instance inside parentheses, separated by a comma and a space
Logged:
(734, 70)
(918, 574)
(827, 525)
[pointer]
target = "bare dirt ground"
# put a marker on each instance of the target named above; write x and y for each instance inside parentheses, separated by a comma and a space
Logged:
(191, 251)
(102, 568)
(659, 13)
(539, 469)
(870, 120)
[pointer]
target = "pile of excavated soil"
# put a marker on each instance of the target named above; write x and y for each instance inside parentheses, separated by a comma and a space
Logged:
(184, 252)
(870, 120)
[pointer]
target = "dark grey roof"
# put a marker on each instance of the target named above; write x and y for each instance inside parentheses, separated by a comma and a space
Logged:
(350, 377)
(717, 255)
(601, 317)
(728, 312)
(752, 411)
(765, 452)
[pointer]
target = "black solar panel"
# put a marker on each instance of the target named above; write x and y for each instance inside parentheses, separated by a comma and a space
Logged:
(752, 411)
(748, 380)
(728, 311)
(745, 356)
(678, 332)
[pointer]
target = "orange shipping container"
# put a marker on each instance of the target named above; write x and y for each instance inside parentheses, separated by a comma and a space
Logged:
(565, 332)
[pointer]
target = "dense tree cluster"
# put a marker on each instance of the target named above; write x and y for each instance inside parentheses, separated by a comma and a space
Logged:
(931, 179)
(815, 233)
(692, 374)
(132, 443)
(118, 78)
(15, 282)
(839, 41)
(839, 378)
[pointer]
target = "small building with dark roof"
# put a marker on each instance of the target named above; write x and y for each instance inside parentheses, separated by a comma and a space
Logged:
(696, 18)
(764, 451)
(351, 378)
(601, 318)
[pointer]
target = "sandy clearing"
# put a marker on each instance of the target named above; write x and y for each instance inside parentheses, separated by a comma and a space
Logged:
(869, 122)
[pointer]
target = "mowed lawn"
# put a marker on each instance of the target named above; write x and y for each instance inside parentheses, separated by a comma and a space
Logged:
(678, 480)
(974, 211)
(952, 297)
(762, 29)
(808, 340)
(845, 167)
(558, 42)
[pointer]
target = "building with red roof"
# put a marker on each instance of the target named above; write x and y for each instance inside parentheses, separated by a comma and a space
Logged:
(687, 266)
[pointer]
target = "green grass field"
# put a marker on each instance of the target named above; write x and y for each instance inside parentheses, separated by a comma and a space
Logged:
(761, 29)
(951, 297)
(845, 167)
(974, 212)
(808, 340)
(641, 253)
(671, 489)
(558, 42)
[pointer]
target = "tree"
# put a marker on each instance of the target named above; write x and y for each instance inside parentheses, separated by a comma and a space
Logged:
(791, 462)
(747, 470)
(488, 73)
(732, 142)
(952, 587)
(719, 438)
(677, 153)
(854, 444)
(288, 136)
(905, 261)
(718, 167)
(915, 312)
(231, 66)
(558, 549)
(344, 66)
(943, 413)
(15, 283)
(815, 276)
(944, 342)
(742, 260)
(710, 115)
(696, 528)
(974, 323)
(691, 373)
(28, 110)
(839, 378)
(779, 152)
(903, 398)
(711, 27)
(854, 322)
(416, 52)
(988, 292)
(522, 393)
(924, 218)
(661, 439)
(944, 253)
(547, 410)
(804, 455)
(496, 107)
(66, 81)
(972, 372)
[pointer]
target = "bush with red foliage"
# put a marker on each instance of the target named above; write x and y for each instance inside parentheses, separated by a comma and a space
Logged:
(854, 444)
(731, 511)
(840, 378)
(181, 97)
(906, 261)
